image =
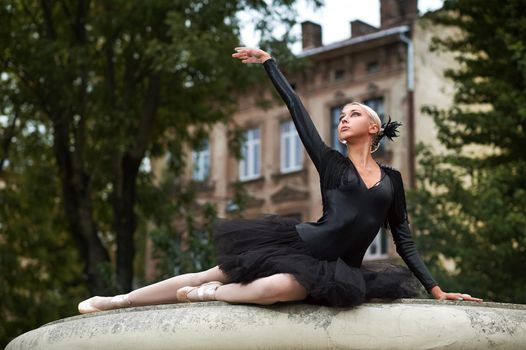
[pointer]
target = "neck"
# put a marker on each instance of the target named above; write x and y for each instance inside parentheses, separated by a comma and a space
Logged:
(360, 155)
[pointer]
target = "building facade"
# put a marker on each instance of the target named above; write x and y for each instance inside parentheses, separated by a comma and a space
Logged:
(389, 68)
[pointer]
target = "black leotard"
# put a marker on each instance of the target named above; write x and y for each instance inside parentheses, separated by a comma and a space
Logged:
(352, 213)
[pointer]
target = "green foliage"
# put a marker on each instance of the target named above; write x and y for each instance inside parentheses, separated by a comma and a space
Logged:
(103, 87)
(471, 206)
(178, 228)
(40, 271)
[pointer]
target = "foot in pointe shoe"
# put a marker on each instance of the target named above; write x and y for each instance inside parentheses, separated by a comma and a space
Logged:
(95, 304)
(204, 292)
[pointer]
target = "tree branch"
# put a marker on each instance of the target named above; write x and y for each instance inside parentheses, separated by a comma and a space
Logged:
(147, 122)
(48, 18)
(28, 82)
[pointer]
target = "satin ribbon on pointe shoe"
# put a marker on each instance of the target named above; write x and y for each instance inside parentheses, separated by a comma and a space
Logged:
(205, 292)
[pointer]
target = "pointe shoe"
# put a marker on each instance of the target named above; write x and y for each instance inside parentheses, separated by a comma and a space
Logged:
(205, 292)
(96, 304)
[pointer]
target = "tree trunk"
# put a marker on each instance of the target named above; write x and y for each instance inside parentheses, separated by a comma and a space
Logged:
(77, 204)
(125, 220)
(125, 186)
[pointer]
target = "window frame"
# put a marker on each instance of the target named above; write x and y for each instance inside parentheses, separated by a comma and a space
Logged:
(335, 112)
(295, 155)
(249, 144)
(379, 242)
(381, 114)
(201, 161)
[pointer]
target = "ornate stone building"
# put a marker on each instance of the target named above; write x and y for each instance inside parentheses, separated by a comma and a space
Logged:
(389, 68)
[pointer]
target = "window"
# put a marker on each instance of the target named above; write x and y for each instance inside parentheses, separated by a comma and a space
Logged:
(373, 67)
(377, 104)
(291, 152)
(200, 161)
(249, 165)
(336, 144)
(378, 247)
(339, 74)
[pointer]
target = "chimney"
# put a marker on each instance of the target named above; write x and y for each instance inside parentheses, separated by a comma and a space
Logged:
(397, 12)
(310, 35)
(359, 28)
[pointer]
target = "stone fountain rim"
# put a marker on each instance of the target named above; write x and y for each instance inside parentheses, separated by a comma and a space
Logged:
(371, 303)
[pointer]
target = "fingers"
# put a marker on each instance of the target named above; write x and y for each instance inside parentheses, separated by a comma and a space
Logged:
(242, 56)
(462, 296)
(247, 55)
(470, 298)
(242, 50)
(241, 53)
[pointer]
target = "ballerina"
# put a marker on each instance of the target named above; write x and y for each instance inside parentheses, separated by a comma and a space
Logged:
(270, 258)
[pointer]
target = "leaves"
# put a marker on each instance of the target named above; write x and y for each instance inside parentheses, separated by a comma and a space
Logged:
(93, 89)
(470, 207)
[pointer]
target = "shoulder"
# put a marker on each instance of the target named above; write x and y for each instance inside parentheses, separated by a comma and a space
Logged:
(333, 168)
(398, 210)
(330, 156)
(389, 169)
(394, 175)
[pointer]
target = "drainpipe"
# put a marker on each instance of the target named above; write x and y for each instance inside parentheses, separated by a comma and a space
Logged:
(410, 108)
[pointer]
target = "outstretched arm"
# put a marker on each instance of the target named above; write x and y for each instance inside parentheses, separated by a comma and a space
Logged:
(405, 247)
(306, 130)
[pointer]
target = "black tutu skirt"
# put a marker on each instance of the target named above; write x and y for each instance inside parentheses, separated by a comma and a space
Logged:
(248, 249)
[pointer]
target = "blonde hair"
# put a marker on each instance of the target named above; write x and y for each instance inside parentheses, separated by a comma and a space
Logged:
(374, 118)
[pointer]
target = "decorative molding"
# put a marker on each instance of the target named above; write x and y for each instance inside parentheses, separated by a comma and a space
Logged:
(256, 180)
(205, 186)
(279, 175)
(339, 95)
(253, 201)
(372, 88)
(288, 193)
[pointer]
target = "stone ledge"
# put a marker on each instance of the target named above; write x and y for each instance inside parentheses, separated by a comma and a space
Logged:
(402, 324)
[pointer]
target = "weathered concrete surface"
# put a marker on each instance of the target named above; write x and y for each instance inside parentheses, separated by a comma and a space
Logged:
(404, 324)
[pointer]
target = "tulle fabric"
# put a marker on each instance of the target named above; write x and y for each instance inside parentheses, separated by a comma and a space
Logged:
(248, 249)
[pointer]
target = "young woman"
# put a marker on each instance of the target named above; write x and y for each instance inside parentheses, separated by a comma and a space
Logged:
(272, 259)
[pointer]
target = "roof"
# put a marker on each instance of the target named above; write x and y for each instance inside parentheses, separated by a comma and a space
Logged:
(353, 41)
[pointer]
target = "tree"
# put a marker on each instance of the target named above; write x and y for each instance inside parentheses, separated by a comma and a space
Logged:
(102, 87)
(117, 82)
(471, 203)
(40, 273)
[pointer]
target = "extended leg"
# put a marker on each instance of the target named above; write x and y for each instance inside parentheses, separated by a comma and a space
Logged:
(163, 292)
(157, 293)
(264, 291)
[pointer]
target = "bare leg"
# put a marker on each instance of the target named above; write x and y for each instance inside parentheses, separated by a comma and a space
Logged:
(158, 293)
(163, 292)
(264, 291)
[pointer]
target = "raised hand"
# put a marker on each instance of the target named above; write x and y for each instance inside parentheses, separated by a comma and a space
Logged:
(251, 55)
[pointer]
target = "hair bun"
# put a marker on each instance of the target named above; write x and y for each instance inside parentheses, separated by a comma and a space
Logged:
(389, 129)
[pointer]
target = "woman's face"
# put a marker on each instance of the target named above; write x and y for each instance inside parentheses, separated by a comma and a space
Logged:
(355, 123)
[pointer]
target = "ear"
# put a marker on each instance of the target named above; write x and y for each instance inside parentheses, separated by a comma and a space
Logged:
(373, 128)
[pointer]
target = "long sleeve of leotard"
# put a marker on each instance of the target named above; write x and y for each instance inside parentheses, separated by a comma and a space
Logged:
(405, 247)
(306, 130)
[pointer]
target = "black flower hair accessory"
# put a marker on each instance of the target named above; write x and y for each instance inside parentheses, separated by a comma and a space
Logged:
(389, 129)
